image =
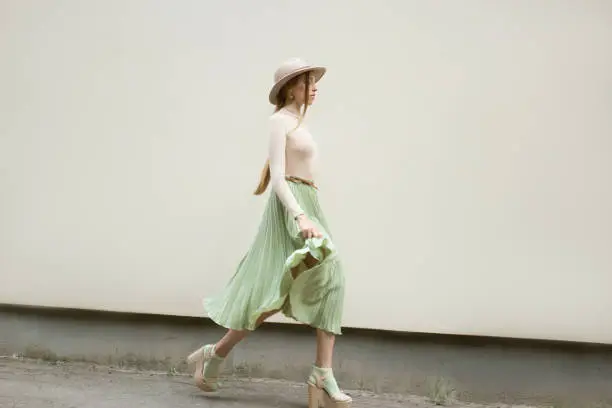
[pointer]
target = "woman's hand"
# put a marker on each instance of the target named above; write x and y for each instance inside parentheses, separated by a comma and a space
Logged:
(307, 228)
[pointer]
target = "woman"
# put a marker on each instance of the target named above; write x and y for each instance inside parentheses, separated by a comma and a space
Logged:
(292, 264)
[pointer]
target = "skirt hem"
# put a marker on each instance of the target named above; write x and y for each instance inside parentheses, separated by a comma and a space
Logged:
(275, 273)
(322, 249)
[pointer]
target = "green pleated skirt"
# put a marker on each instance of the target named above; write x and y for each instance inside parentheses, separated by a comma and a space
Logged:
(272, 274)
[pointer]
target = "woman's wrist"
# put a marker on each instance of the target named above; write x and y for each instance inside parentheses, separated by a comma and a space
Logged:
(299, 216)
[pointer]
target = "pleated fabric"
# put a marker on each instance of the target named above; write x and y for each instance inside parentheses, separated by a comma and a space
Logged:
(264, 282)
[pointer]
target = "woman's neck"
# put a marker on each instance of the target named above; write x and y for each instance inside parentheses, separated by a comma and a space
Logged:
(293, 109)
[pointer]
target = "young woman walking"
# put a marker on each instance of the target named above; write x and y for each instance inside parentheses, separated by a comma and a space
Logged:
(292, 265)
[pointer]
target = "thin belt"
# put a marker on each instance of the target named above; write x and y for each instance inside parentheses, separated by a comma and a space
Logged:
(301, 180)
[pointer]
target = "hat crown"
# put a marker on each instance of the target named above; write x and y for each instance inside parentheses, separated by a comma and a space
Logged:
(289, 66)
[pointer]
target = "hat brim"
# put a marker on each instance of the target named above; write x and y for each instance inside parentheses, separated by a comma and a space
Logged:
(318, 73)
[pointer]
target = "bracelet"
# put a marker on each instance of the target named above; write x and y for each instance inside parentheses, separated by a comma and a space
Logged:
(297, 216)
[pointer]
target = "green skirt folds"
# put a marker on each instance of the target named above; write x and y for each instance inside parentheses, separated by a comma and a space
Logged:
(272, 274)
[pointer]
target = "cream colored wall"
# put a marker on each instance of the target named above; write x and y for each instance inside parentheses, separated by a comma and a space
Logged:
(466, 155)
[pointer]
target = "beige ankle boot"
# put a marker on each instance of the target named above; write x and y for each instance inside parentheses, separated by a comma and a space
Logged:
(207, 366)
(323, 391)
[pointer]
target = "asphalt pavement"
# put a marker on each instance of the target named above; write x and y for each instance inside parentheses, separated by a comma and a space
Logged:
(31, 384)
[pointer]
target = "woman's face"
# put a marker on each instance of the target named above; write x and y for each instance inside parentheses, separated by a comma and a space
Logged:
(299, 90)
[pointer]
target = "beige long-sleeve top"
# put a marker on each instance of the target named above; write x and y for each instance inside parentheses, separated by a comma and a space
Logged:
(292, 152)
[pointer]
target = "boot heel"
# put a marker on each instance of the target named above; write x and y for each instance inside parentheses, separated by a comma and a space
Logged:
(320, 382)
(315, 397)
(195, 356)
(328, 402)
(318, 398)
(201, 358)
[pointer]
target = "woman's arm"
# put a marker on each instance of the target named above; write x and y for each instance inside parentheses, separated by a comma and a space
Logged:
(278, 142)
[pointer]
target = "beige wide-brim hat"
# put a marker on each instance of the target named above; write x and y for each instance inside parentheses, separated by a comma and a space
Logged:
(290, 69)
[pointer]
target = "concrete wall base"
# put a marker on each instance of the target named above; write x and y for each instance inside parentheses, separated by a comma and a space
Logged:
(471, 369)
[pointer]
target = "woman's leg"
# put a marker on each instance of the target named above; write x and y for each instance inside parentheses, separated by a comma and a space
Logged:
(322, 382)
(322, 377)
(229, 341)
(233, 337)
(325, 349)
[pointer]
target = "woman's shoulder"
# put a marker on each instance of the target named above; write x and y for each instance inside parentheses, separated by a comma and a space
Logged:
(279, 118)
(281, 115)
(277, 115)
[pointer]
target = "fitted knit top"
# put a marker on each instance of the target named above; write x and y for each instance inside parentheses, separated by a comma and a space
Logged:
(292, 152)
